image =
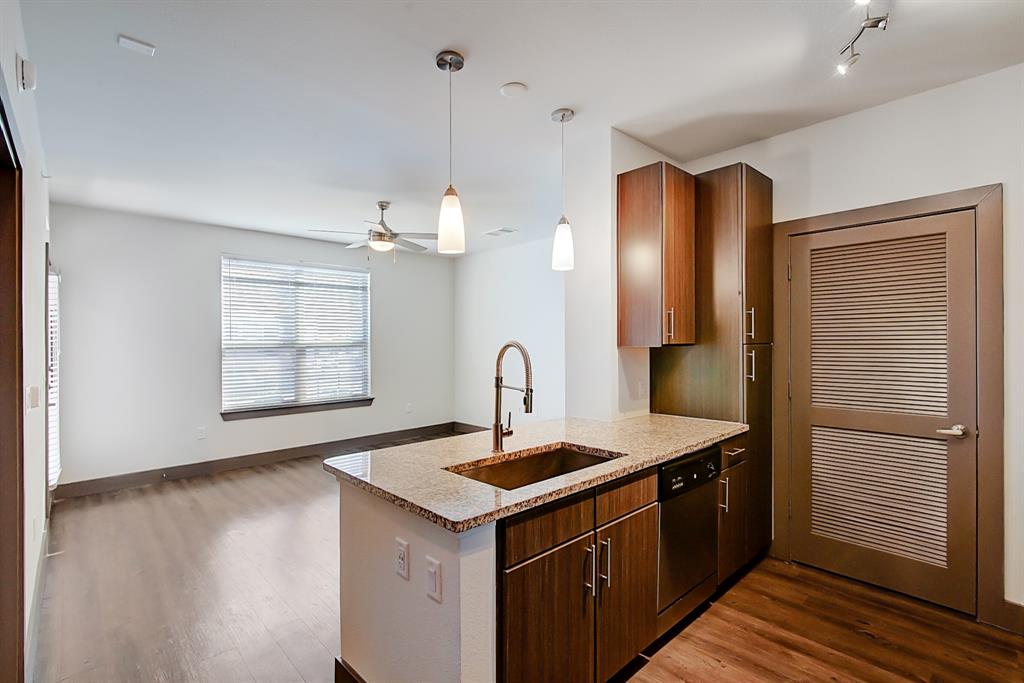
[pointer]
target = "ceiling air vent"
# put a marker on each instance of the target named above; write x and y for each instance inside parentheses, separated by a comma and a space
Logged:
(501, 232)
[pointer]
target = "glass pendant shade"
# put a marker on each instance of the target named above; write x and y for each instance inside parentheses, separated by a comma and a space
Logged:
(451, 233)
(562, 257)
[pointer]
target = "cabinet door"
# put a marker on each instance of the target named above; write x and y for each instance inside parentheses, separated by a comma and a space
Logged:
(680, 325)
(548, 608)
(627, 596)
(639, 248)
(758, 414)
(756, 227)
(732, 520)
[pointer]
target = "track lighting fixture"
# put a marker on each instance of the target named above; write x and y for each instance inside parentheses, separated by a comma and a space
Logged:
(869, 22)
(845, 65)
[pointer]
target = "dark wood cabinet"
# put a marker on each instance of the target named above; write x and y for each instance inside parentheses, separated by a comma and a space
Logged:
(548, 615)
(726, 374)
(758, 414)
(584, 608)
(627, 593)
(733, 519)
(655, 223)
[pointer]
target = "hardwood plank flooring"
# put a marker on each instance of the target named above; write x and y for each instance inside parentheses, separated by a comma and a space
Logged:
(787, 622)
(232, 577)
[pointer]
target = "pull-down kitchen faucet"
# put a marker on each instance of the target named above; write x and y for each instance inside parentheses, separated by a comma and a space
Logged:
(499, 431)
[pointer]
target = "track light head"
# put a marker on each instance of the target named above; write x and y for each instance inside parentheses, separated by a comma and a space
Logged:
(845, 65)
(875, 22)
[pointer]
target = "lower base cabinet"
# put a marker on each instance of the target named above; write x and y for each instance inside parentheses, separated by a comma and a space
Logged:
(548, 608)
(733, 520)
(627, 589)
(584, 609)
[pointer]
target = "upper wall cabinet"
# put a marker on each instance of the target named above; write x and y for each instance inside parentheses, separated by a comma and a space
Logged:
(655, 227)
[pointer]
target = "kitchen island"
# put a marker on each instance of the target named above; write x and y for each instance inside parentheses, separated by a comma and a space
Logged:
(420, 542)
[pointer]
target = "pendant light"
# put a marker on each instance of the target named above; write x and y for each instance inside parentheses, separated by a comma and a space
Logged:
(451, 232)
(562, 249)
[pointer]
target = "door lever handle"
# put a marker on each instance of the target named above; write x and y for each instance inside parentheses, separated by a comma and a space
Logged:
(956, 431)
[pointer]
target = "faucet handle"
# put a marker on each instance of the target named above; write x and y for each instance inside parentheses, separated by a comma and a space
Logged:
(507, 431)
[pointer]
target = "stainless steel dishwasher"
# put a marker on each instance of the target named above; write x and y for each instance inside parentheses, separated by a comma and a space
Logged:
(688, 527)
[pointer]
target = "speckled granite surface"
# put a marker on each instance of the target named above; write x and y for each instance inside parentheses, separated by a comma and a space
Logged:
(415, 477)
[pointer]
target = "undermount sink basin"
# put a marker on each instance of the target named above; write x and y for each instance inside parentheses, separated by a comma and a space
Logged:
(512, 470)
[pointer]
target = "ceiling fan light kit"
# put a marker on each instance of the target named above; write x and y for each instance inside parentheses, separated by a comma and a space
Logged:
(451, 229)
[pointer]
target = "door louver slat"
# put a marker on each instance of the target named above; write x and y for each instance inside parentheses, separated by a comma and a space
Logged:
(860, 492)
(877, 313)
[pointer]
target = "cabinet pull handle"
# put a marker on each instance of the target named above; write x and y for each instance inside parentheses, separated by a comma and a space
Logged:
(726, 505)
(751, 314)
(607, 576)
(733, 453)
(592, 584)
(753, 366)
(671, 322)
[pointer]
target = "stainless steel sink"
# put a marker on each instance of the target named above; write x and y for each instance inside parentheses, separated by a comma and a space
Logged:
(521, 469)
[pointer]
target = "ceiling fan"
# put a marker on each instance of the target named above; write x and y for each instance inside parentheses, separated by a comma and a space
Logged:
(382, 238)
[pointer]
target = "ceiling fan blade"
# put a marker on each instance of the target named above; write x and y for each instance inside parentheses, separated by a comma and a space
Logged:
(356, 245)
(339, 232)
(411, 246)
(419, 235)
(369, 222)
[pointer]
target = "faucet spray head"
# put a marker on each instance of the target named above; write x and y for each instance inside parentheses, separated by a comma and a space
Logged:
(528, 400)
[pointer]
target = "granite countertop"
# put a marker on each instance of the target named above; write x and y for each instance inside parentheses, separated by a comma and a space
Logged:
(415, 477)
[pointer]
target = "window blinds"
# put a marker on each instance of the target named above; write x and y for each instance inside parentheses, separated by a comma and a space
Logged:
(292, 334)
(52, 379)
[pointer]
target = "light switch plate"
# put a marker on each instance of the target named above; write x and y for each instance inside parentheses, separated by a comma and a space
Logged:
(433, 578)
(402, 557)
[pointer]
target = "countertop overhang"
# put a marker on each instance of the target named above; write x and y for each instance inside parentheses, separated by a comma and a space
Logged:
(414, 477)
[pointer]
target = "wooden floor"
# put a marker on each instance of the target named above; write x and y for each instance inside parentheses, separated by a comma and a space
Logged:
(232, 577)
(787, 622)
(235, 578)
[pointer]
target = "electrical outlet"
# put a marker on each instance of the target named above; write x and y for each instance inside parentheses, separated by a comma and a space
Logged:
(402, 558)
(201, 433)
(433, 579)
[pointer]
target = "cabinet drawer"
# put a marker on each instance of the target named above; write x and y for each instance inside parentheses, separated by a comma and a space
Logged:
(734, 451)
(620, 498)
(535, 531)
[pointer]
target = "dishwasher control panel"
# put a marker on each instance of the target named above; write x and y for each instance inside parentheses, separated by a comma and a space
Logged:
(689, 472)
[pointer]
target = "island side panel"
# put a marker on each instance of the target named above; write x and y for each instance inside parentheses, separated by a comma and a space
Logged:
(390, 629)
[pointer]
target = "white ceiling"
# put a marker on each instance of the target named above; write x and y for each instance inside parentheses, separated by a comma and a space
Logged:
(285, 116)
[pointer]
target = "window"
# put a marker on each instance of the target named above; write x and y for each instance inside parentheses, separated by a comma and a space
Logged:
(52, 379)
(293, 335)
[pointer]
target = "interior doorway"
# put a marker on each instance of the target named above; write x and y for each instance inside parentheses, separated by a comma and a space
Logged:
(888, 437)
(12, 583)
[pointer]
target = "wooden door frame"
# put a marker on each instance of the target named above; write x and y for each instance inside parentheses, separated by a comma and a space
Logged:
(987, 203)
(12, 525)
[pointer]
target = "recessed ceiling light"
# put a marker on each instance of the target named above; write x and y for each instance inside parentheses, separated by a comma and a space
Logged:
(513, 89)
(134, 45)
(862, 3)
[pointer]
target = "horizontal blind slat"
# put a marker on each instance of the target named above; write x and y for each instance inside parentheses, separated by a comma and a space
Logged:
(293, 334)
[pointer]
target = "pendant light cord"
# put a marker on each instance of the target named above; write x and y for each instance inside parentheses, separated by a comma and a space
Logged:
(563, 163)
(449, 125)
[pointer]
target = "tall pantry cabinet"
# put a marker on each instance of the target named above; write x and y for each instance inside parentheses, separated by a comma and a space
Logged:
(727, 373)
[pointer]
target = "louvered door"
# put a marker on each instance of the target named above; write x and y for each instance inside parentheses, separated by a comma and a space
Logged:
(883, 357)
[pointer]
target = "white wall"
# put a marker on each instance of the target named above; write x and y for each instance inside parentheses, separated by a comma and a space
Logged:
(21, 111)
(390, 629)
(140, 305)
(602, 381)
(962, 135)
(502, 294)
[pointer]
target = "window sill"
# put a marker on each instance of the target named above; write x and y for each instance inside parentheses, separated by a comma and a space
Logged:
(291, 410)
